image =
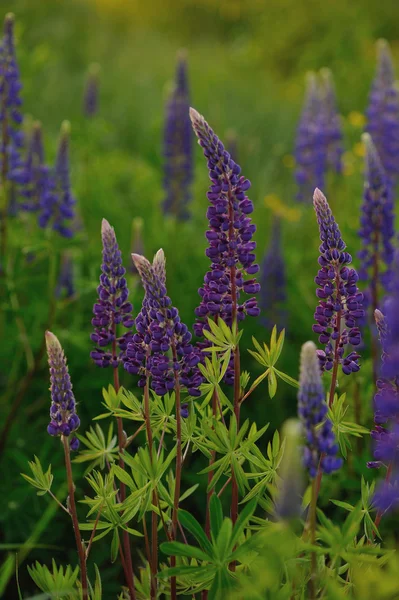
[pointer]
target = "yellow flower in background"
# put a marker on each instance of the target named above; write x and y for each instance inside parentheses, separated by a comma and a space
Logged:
(356, 119)
(278, 208)
(359, 149)
(289, 161)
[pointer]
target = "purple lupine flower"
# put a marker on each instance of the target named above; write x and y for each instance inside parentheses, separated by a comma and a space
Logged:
(91, 93)
(113, 307)
(273, 280)
(320, 444)
(319, 136)
(386, 400)
(309, 153)
(58, 202)
(332, 123)
(376, 226)
(63, 417)
(383, 112)
(178, 151)
(231, 249)
(340, 299)
(184, 412)
(162, 347)
(65, 286)
(33, 175)
(12, 138)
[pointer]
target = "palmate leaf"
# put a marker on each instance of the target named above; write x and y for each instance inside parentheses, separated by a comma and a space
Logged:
(99, 450)
(344, 429)
(59, 582)
(41, 480)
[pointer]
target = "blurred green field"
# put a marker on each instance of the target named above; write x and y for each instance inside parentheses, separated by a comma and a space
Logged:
(247, 61)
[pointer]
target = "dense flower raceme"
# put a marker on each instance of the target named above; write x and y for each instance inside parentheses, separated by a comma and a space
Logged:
(376, 225)
(231, 249)
(320, 447)
(113, 307)
(273, 280)
(91, 92)
(178, 146)
(161, 347)
(383, 112)
(386, 400)
(319, 136)
(65, 285)
(57, 209)
(64, 420)
(340, 300)
(11, 135)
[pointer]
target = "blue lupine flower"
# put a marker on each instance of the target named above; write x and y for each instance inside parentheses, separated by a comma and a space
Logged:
(57, 208)
(64, 420)
(65, 285)
(383, 112)
(386, 401)
(12, 138)
(178, 151)
(91, 93)
(273, 280)
(113, 307)
(320, 444)
(162, 347)
(318, 143)
(377, 226)
(340, 299)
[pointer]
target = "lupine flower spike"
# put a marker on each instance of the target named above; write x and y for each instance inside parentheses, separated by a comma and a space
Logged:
(11, 135)
(113, 307)
(386, 402)
(231, 249)
(159, 332)
(291, 488)
(58, 204)
(376, 226)
(65, 286)
(91, 93)
(340, 306)
(63, 418)
(332, 126)
(273, 280)
(309, 153)
(178, 152)
(383, 113)
(320, 444)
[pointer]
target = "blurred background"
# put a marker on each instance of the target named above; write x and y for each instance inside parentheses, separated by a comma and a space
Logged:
(247, 61)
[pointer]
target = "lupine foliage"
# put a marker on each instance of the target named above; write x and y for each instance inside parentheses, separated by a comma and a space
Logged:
(283, 515)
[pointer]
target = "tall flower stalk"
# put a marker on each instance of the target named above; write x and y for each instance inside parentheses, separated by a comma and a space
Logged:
(63, 423)
(231, 251)
(383, 113)
(162, 356)
(91, 91)
(11, 135)
(273, 279)
(178, 152)
(320, 450)
(386, 403)
(112, 310)
(376, 234)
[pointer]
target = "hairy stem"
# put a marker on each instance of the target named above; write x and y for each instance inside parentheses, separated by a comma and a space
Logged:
(74, 516)
(154, 520)
(374, 287)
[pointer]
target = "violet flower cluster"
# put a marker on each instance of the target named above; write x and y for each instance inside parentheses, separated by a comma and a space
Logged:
(320, 444)
(64, 420)
(273, 279)
(113, 307)
(231, 249)
(57, 209)
(386, 401)
(319, 136)
(65, 286)
(178, 151)
(376, 225)
(340, 300)
(161, 347)
(12, 138)
(91, 92)
(383, 113)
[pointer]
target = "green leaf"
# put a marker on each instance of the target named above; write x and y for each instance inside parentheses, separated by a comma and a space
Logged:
(115, 545)
(216, 515)
(179, 549)
(192, 525)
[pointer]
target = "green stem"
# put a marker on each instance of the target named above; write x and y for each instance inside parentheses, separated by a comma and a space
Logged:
(178, 469)
(312, 512)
